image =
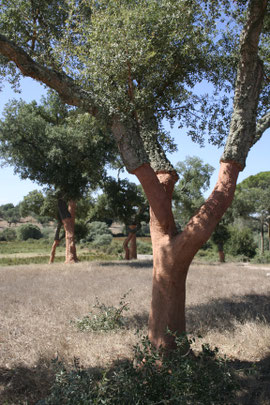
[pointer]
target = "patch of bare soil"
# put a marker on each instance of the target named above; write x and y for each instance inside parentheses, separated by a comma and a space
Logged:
(227, 304)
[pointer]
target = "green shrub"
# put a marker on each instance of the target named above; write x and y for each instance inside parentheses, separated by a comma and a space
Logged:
(144, 248)
(81, 231)
(241, 242)
(28, 231)
(102, 240)
(8, 234)
(104, 317)
(96, 229)
(202, 379)
(262, 258)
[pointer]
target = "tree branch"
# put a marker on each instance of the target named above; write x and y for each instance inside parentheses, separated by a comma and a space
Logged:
(65, 86)
(262, 125)
(247, 88)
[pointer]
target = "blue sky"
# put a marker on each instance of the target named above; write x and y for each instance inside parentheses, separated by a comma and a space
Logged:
(13, 189)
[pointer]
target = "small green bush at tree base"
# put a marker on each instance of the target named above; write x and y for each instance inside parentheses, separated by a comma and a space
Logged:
(28, 231)
(151, 378)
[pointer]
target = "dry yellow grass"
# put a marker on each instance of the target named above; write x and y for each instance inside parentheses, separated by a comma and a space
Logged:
(227, 304)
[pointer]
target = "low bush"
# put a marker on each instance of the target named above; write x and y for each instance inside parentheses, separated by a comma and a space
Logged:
(102, 241)
(8, 235)
(262, 258)
(144, 248)
(28, 231)
(103, 317)
(151, 378)
(95, 229)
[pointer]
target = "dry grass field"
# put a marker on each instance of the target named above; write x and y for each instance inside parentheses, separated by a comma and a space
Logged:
(227, 304)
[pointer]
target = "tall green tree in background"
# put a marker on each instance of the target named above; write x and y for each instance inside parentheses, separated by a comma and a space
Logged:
(50, 144)
(134, 63)
(253, 202)
(125, 202)
(194, 180)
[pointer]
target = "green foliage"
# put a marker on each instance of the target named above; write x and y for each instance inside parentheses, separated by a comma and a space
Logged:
(10, 213)
(144, 248)
(28, 231)
(241, 242)
(102, 240)
(123, 201)
(54, 146)
(8, 234)
(261, 258)
(96, 229)
(188, 193)
(104, 318)
(202, 379)
(81, 230)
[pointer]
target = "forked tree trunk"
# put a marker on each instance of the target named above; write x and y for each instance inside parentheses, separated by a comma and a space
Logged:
(67, 214)
(130, 243)
(174, 252)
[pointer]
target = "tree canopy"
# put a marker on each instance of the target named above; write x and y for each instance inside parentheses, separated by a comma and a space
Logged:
(50, 144)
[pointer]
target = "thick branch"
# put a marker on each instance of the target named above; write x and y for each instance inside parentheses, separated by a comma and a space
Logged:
(65, 86)
(202, 224)
(247, 88)
(156, 194)
(262, 125)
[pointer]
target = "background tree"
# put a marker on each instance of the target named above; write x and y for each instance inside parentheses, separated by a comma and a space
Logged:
(10, 213)
(134, 64)
(194, 180)
(253, 202)
(50, 144)
(125, 202)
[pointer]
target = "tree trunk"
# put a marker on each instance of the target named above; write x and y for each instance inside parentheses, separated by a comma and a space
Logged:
(67, 214)
(268, 226)
(221, 253)
(262, 237)
(130, 244)
(173, 252)
(56, 242)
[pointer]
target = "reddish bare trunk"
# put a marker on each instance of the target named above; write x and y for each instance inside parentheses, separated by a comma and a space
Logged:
(172, 252)
(54, 246)
(221, 253)
(130, 244)
(69, 225)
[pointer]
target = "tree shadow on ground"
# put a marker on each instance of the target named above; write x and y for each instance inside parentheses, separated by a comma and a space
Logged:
(30, 385)
(129, 263)
(223, 313)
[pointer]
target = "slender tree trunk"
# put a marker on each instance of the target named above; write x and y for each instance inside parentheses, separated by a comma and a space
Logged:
(67, 214)
(221, 253)
(262, 237)
(173, 252)
(130, 244)
(56, 242)
(268, 226)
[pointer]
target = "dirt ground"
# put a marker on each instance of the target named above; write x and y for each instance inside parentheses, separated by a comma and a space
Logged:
(227, 304)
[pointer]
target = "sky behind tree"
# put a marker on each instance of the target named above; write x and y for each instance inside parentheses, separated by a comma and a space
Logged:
(13, 189)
